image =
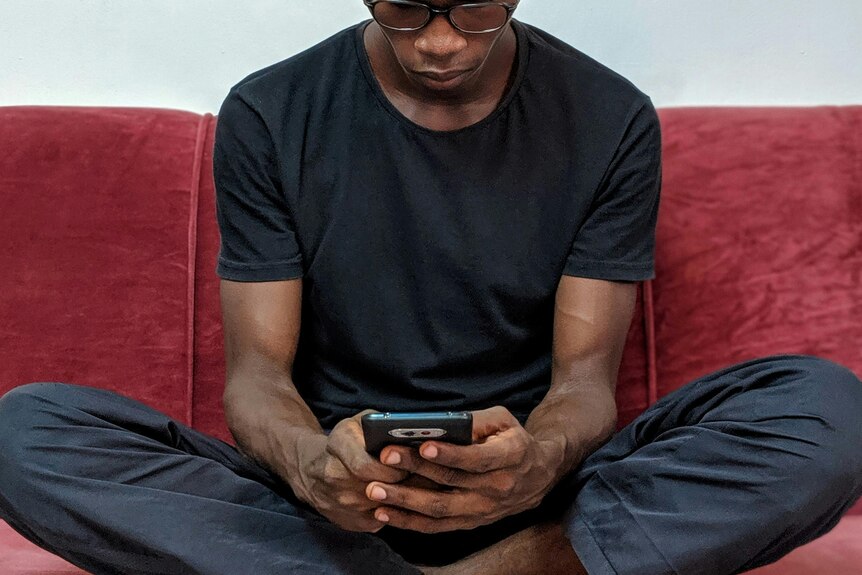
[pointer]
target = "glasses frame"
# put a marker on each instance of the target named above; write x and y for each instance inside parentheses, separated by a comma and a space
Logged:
(432, 12)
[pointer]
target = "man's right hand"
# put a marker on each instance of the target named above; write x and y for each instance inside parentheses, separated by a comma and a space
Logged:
(271, 422)
(334, 472)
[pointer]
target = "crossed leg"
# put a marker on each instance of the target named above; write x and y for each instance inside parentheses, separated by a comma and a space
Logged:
(726, 474)
(116, 487)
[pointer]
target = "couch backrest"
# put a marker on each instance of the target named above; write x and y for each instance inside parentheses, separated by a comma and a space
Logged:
(97, 277)
(108, 223)
(759, 238)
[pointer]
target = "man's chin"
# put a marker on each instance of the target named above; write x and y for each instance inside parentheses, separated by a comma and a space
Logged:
(442, 85)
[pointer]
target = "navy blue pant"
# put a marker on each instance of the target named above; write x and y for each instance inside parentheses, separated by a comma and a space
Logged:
(725, 474)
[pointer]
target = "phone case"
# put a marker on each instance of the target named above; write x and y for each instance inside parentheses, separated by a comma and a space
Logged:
(382, 429)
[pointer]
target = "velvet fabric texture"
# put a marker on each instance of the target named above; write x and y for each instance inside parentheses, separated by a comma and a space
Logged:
(759, 238)
(97, 242)
(107, 222)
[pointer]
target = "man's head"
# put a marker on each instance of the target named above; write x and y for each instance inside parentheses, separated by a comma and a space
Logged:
(442, 45)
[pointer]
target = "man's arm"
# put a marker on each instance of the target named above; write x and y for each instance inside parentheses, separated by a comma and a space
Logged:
(591, 322)
(264, 412)
(273, 425)
(511, 468)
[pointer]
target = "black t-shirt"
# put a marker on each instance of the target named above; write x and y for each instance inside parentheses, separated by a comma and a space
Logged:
(430, 260)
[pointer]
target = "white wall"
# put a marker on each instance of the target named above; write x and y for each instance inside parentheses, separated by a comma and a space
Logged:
(187, 53)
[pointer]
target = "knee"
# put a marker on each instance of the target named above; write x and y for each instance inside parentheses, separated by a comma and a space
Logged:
(835, 398)
(22, 409)
(24, 413)
(838, 386)
(825, 367)
(25, 398)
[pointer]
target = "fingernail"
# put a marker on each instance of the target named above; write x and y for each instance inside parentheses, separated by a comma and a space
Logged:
(394, 458)
(430, 452)
(381, 516)
(378, 493)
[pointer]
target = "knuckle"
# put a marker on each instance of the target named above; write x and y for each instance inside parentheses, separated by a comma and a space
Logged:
(334, 469)
(506, 484)
(330, 468)
(490, 510)
(500, 410)
(344, 431)
(345, 499)
(332, 446)
(326, 505)
(397, 495)
(438, 508)
(339, 428)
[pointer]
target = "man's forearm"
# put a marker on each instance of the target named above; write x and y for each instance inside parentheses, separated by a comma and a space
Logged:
(579, 419)
(267, 418)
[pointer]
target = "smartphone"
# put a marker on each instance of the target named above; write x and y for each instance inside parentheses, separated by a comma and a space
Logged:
(412, 428)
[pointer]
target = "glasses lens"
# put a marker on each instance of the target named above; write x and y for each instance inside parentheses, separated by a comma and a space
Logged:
(400, 16)
(480, 17)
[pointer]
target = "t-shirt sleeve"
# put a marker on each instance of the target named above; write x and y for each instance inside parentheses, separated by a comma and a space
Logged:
(617, 240)
(258, 239)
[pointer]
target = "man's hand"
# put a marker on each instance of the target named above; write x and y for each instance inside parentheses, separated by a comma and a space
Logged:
(505, 471)
(333, 473)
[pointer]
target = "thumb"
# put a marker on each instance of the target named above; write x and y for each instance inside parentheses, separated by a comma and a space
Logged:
(488, 422)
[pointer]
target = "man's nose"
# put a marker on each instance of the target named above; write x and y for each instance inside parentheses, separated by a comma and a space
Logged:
(439, 39)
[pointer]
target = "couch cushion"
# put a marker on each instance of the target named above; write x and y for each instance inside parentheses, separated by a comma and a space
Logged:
(839, 552)
(95, 259)
(20, 557)
(208, 415)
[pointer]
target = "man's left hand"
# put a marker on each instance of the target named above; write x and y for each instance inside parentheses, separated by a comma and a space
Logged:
(505, 471)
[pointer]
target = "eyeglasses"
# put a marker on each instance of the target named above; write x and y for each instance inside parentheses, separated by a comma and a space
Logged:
(408, 16)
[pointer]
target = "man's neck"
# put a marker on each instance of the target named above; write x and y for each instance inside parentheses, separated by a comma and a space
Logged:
(444, 112)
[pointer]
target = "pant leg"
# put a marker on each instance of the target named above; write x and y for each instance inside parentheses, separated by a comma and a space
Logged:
(116, 487)
(728, 473)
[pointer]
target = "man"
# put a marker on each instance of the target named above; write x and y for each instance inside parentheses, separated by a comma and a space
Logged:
(442, 208)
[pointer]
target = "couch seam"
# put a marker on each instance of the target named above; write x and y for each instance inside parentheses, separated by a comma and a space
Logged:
(194, 196)
(650, 342)
(857, 140)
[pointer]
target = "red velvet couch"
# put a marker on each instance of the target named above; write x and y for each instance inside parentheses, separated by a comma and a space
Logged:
(107, 223)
